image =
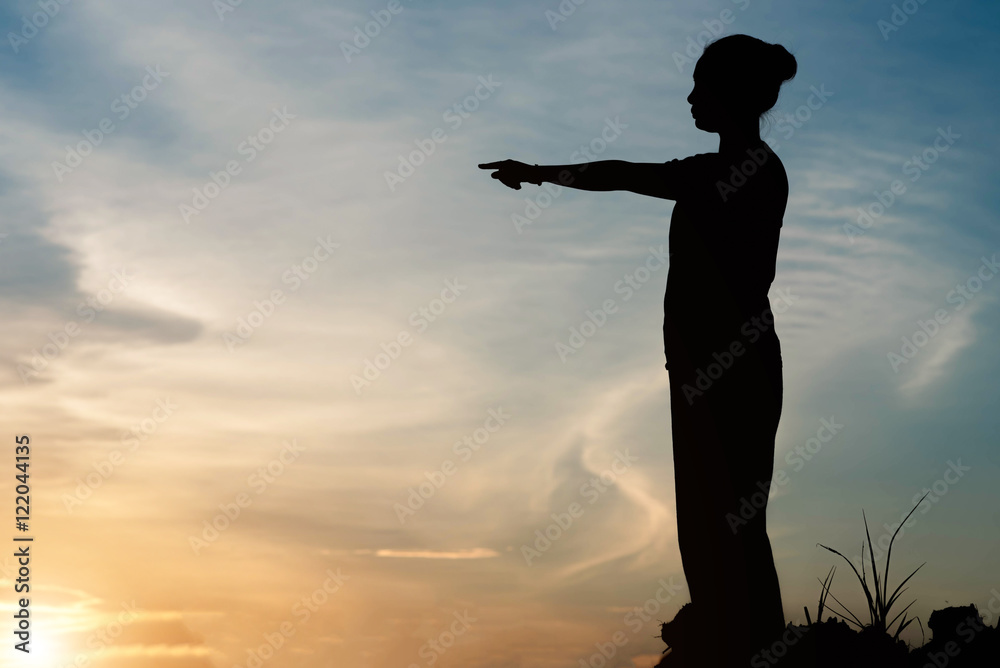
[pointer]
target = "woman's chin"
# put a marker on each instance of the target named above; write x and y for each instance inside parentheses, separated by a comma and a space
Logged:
(704, 125)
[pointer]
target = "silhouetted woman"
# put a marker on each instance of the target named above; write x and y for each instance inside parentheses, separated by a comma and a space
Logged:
(723, 355)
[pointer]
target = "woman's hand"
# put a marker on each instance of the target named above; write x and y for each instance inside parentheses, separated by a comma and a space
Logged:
(512, 173)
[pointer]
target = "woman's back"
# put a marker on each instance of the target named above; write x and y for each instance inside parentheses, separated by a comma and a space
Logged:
(723, 247)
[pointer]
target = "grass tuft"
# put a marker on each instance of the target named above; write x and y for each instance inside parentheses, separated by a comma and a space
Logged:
(880, 602)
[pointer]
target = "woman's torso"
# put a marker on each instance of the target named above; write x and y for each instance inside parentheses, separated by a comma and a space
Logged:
(723, 247)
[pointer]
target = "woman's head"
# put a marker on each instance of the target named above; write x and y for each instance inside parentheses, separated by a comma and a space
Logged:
(736, 80)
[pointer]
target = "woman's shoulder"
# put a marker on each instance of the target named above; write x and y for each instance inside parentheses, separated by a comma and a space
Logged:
(752, 158)
(754, 171)
(693, 160)
(694, 168)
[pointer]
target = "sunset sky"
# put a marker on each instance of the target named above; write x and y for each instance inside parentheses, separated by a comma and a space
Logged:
(252, 277)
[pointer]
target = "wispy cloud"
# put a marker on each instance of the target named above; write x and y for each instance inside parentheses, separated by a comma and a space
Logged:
(470, 553)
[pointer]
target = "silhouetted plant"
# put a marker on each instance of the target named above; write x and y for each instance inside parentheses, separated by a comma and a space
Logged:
(827, 583)
(881, 603)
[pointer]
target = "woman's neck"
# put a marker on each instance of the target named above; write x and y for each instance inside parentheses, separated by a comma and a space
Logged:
(739, 139)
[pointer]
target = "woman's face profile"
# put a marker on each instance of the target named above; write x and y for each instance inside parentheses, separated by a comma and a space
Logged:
(707, 99)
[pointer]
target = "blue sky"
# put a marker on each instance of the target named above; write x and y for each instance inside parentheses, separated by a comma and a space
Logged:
(310, 215)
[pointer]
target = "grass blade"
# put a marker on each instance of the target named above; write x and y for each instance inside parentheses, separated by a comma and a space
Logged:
(901, 612)
(864, 584)
(855, 621)
(888, 552)
(897, 593)
(827, 583)
(874, 606)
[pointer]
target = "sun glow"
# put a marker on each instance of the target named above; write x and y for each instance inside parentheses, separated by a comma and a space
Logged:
(46, 651)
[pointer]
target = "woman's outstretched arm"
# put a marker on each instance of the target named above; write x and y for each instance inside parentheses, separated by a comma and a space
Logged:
(645, 178)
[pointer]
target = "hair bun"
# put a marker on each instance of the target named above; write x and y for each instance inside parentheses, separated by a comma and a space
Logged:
(784, 63)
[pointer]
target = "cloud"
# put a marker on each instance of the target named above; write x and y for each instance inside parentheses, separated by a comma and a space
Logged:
(937, 361)
(469, 553)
